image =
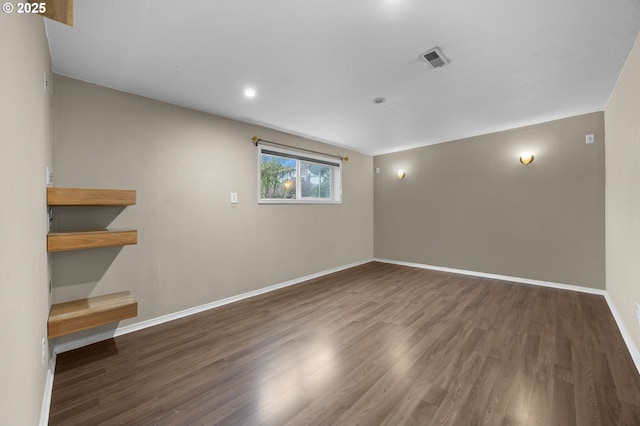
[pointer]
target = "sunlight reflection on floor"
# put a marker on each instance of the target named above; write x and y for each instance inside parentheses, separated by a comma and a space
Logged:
(306, 369)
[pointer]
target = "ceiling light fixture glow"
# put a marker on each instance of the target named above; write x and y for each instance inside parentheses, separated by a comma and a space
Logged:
(249, 92)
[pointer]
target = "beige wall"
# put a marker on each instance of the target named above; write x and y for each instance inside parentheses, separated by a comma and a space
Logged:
(470, 204)
(622, 123)
(25, 151)
(194, 246)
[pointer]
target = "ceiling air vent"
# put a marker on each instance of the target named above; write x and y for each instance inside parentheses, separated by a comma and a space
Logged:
(434, 58)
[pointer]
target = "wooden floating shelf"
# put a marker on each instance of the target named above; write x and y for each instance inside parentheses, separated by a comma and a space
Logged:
(77, 240)
(59, 10)
(90, 197)
(77, 315)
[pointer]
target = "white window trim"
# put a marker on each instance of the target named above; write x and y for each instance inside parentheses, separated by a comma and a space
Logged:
(336, 180)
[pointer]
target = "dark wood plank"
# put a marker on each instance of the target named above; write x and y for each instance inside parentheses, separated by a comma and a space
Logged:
(375, 344)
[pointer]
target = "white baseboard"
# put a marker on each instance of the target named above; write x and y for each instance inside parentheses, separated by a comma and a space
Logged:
(497, 277)
(48, 388)
(633, 349)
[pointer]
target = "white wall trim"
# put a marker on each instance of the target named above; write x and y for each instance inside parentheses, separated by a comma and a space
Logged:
(497, 277)
(48, 388)
(74, 344)
(633, 350)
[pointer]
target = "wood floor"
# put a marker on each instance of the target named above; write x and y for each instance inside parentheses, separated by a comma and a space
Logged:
(375, 344)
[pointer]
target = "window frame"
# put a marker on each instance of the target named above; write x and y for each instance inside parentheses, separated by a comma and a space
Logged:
(301, 156)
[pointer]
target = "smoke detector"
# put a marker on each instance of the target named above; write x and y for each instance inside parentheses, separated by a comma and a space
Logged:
(434, 58)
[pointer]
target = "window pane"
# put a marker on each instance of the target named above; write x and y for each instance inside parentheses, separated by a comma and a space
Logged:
(277, 177)
(289, 176)
(315, 180)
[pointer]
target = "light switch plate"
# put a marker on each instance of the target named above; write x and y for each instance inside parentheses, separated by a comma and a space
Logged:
(590, 138)
(234, 198)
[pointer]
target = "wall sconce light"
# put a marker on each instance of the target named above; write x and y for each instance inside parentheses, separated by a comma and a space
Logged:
(526, 158)
(401, 174)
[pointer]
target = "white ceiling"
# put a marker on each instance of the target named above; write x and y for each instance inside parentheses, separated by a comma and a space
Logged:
(317, 65)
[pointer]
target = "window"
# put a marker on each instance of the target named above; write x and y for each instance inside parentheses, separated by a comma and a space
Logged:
(287, 176)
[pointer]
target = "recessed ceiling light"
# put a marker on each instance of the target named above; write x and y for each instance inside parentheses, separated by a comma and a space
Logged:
(379, 100)
(250, 93)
